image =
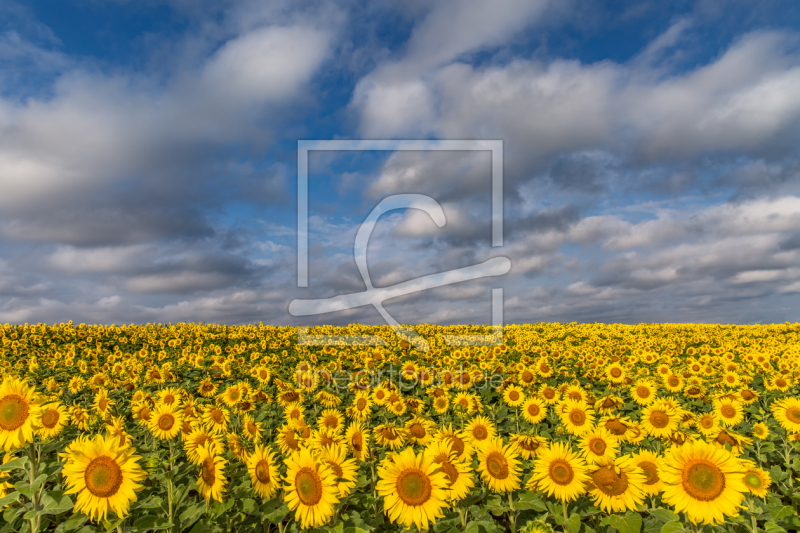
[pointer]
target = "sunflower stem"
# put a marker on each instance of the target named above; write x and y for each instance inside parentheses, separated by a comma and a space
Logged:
(517, 413)
(512, 514)
(754, 526)
(33, 472)
(564, 508)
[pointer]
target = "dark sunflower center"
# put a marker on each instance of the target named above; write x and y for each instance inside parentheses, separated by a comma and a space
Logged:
(361, 404)
(561, 472)
(262, 471)
(208, 471)
(703, 480)
(651, 471)
(529, 445)
(13, 412)
(725, 438)
(673, 381)
(577, 417)
(356, 441)
(496, 465)
(615, 427)
(216, 415)
(417, 431)
(728, 411)
(450, 471)
(413, 487)
(331, 421)
(642, 391)
(747, 395)
(780, 382)
(513, 396)
(50, 418)
(457, 444)
(598, 446)
(753, 481)
(533, 409)
(707, 422)
(480, 432)
(103, 477)
(793, 414)
(309, 486)
(166, 421)
(609, 482)
(659, 419)
(616, 372)
(549, 394)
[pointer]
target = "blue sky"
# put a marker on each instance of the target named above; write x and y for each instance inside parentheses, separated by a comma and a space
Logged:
(148, 158)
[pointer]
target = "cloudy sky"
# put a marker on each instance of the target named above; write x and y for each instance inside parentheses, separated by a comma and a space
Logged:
(148, 158)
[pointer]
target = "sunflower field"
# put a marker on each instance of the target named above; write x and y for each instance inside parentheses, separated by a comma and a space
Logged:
(579, 428)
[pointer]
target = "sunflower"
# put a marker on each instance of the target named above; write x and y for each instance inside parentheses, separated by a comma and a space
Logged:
(20, 413)
(513, 396)
(413, 488)
(459, 441)
(703, 481)
(598, 446)
(673, 383)
(165, 423)
(398, 407)
(499, 465)
(760, 431)
(390, 436)
(615, 373)
(357, 438)
(644, 392)
(479, 430)
(170, 396)
(345, 470)
(533, 410)
(548, 394)
(649, 463)
(323, 438)
(251, 429)
(576, 417)
(756, 479)
(328, 399)
(706, 423)
(310, 489)
(559, 472)
(723, 436)
(104, 476)
(459, 474)
(263, 472)
(729, 412)
(198, 438)
(441, 404)
(102, 403)
(462, 404)
(216, 419)
(54, 419)
(786, 412)
(617, 485)
(331, 419)
(528, 445)
(212, 481)
(293, 411)
(420, 431)
(361, 408)
(748, 396)
(659, 420)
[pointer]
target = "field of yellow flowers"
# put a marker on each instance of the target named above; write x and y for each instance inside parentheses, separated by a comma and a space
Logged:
(562, 427)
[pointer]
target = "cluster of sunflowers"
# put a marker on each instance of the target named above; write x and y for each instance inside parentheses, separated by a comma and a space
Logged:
(586, 428)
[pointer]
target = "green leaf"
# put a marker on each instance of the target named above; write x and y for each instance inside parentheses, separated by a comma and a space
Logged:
(56, 502)
(664, 515)
(354, 530)
(630, 522)
(672, 527)
(11, 498)
(18, 463)
(151, 522)
(71, 524)
(530, 500)
(781, 511)
(574, 524)
(772, 527)
(278, 514)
